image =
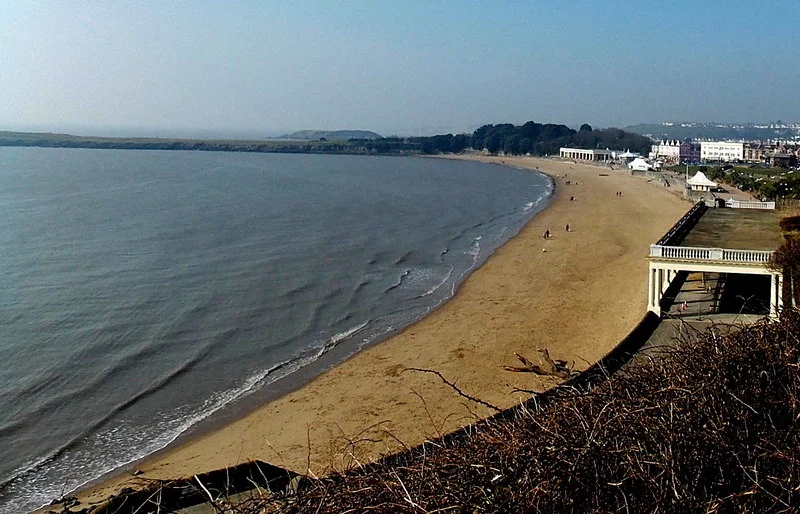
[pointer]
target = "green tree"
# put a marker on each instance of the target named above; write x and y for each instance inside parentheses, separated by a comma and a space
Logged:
(494, 142)
(459, 143)
(511, 144)
(717, 174)
(768, 190)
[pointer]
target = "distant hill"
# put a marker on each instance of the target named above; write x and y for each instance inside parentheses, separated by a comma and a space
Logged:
(336, 143)
(315, 135)
(695, 130)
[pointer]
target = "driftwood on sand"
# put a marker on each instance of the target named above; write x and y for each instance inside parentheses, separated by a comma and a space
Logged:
(548, 367)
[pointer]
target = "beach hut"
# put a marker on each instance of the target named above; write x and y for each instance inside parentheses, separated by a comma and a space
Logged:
(700, 182)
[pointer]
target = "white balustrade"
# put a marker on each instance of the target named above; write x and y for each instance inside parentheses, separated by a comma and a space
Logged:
(746, 255)
(739, 204)
(710, 254)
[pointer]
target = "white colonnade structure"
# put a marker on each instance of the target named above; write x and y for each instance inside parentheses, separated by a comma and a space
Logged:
(584, 154)
(671, 255)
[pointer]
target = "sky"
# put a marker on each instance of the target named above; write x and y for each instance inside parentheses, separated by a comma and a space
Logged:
(263, 68)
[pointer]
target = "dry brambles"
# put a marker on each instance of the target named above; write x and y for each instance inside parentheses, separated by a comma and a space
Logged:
(709, 425)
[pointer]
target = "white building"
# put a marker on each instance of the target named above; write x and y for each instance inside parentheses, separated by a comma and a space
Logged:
(639, 164)
(726, 252)
(721, 151)
(581, 154)
(675, 151)
(700, 182)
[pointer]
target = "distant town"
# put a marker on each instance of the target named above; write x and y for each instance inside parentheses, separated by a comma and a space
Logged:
(771, 132)
(767, 171)
(767, 166)
(781, 155)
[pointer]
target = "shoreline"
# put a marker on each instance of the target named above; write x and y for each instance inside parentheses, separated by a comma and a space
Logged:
(370, 404)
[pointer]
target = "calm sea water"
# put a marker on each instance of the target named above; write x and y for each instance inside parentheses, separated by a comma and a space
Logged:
(143, 291)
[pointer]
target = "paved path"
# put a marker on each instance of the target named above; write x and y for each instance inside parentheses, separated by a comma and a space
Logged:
(690, 310)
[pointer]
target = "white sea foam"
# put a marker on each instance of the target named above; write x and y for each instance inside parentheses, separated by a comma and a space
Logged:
(335, 339)
(474, 250)
(440, 284)
(528, 206)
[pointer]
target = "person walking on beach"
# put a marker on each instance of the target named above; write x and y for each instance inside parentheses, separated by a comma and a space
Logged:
(567, 227)
(547, 234)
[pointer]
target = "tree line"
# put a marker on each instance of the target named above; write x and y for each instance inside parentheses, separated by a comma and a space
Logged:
(763, 185)
(535, 139)
(530, 138)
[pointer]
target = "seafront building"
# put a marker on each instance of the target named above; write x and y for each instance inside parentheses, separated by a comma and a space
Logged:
(755, 152)
(785, 155)
(683, 152)
(581, 154)
(674, 151)
(721, 151)
(782, 159)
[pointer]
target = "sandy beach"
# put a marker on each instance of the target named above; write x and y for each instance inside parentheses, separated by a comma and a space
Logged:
(577, 294)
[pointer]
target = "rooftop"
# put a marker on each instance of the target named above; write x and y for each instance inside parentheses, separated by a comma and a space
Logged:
(741, 229)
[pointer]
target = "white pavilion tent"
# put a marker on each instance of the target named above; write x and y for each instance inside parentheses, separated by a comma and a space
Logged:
(700, 182)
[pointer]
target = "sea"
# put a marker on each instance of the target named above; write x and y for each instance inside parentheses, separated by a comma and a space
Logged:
(145, 293)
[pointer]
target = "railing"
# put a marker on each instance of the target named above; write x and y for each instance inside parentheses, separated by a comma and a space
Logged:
(684, 224)
(761, 256)
(738, 204)
(710, 254)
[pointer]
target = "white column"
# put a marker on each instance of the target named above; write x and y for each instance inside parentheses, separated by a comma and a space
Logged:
(654, 290)
(657, 290)
(780, 292)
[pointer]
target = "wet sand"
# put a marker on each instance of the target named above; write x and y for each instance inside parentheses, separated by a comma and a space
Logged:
(577, 294)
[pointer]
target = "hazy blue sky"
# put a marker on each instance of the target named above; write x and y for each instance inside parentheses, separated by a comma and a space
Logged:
(261, 68)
